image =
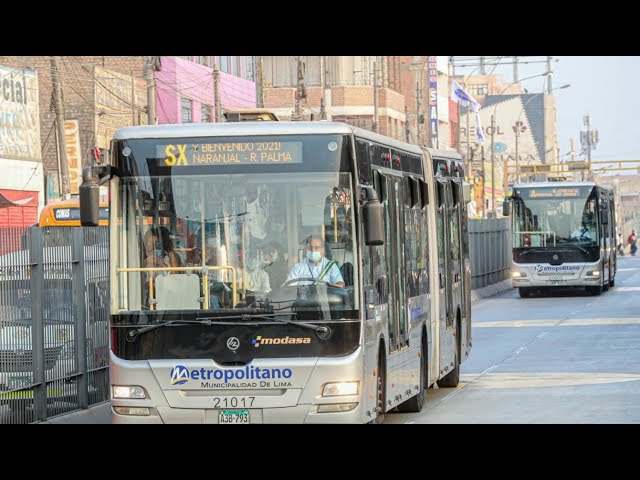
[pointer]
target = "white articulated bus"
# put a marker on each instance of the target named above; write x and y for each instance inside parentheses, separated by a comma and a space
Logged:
(244, 327)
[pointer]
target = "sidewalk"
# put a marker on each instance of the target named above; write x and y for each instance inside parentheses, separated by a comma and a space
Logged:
(98, 414)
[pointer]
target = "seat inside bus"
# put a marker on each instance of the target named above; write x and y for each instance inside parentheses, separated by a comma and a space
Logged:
(177, 291)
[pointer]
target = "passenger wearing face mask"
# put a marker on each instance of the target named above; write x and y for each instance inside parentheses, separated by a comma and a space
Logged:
(315, 268)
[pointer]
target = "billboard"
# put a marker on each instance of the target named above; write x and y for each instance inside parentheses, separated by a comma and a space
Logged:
(19, 115)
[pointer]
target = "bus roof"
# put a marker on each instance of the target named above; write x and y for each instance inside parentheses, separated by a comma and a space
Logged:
(555, 184)
(249, 128)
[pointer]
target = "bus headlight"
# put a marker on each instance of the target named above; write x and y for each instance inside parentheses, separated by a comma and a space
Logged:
(127, 391)
(341, 388)
(517, 274)
(594, 273)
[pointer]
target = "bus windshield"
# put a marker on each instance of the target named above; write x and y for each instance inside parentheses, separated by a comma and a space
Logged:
(278, 242)
(555, 216)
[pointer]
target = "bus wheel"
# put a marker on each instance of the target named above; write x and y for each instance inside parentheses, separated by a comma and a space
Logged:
(594, 290)
(452, 378)
(415, 403)
(605, 286)
(381, 382)
(524, 292)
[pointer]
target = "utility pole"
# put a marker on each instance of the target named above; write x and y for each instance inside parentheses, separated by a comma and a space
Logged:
(589, 140)
(484, 201)
(493, 170)
(323, 87)
(406, 124)
(418, 129)
(515, 69)
(216, 92)
(517, 132)
(482, 65)
(151, 90)
(467, 168)
(259, 99)
(375, 97)
(549, 85)
(59, 109)
(297, 115)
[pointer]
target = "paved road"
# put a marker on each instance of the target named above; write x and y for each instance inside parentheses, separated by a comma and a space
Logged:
(568, 358)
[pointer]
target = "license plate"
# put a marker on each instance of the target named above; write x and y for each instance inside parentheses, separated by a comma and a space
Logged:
(556, 280)
(234, 416)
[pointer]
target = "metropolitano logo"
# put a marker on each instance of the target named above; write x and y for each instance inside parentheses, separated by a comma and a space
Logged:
(179, 375)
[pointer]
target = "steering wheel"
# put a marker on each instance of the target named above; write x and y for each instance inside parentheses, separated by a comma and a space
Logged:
(305, 279)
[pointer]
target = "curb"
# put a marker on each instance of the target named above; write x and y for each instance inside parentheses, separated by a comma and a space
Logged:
(491, 290)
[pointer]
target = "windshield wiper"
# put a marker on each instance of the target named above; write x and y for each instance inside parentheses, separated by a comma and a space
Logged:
(323, 332)
(132, 334)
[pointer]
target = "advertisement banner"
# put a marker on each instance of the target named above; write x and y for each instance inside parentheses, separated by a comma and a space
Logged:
(74, 157)
(433, 100)
(19, 115)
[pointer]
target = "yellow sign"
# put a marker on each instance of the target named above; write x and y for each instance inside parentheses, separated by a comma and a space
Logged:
(229, 153)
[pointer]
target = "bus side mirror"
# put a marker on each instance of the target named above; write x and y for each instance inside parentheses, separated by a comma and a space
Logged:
(506, 210)
(604, 216)
(372, 218)
(89, 200)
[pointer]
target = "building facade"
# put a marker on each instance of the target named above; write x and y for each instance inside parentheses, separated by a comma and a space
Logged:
(363, 91)
(185, 87)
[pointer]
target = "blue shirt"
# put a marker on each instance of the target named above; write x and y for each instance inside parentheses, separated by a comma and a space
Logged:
(307, 269)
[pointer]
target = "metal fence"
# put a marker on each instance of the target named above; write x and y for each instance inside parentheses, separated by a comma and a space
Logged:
(490, 251)
(53, 321)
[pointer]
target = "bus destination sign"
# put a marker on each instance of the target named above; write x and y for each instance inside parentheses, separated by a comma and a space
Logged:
(567, 192)
(229, 153)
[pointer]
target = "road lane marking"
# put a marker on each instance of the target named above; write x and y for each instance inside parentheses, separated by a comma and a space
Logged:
(625, 289)
(519, 350)
(572, 322)
(538, 380)
(628, 269)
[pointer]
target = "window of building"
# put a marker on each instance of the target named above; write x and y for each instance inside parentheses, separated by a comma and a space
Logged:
(204, 60)
(247, 71)
(478, 90)
(205, 114)
(223, 63)
(186, 109)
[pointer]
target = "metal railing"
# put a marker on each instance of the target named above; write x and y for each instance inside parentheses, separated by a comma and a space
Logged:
(54, 341)
(489, 251)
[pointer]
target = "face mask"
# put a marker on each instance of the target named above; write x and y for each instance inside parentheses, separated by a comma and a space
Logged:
(314, 256)
(274, 257)
(157, 252)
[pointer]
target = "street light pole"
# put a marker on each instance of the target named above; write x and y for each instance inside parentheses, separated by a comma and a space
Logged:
(493, 170)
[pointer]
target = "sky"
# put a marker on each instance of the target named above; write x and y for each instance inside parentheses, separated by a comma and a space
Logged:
(603, 87)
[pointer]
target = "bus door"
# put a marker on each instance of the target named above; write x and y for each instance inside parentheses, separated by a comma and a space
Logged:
(445, 276)
(394, 230)
(465, 263)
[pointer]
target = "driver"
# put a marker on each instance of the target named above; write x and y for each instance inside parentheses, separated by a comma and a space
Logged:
(315, 267)
(581, 233)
